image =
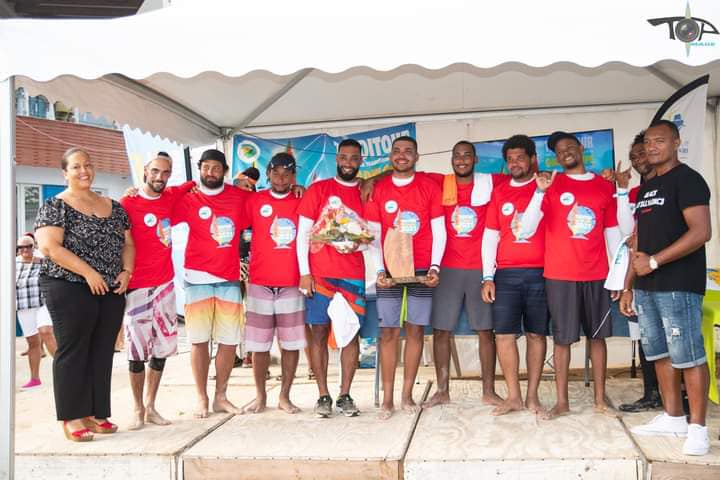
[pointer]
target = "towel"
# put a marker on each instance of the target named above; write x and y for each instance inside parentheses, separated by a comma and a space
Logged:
(482, 189)
(345, 322)
(618, 268)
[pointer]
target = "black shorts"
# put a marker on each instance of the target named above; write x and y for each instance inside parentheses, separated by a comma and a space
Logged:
(460, 287)
(576, 304)
(520, 302)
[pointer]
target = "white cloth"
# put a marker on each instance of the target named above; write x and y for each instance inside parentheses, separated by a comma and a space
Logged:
(345, 322)
(618, 267)
(482, 189)
(490, 242)
(302, 244)
(198, 277)
(613, 239)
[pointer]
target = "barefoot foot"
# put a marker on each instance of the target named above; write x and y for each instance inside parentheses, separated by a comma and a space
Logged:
(138, 420)
(385, 412)
(534, 405)
(286, 405)
(509, 405)
(152, 416)
(492, 398)
(201, 411)
(557, 411)
(223, 405)
(439, 398)
(604, 409)
(257, 406)
(410, 406)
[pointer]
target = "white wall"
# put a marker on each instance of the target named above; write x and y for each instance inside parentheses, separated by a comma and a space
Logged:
(626, 121)
(114, 185)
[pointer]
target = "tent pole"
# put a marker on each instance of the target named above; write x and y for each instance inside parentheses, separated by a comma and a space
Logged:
(7, 278)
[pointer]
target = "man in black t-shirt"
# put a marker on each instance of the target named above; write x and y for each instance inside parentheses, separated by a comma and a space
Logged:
(668, 270)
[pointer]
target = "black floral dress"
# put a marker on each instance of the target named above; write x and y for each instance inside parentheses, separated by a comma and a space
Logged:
(99, 241)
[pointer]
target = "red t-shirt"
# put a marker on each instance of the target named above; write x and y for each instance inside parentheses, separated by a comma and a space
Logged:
(151, 228)
(216, 223)
(411, 208)
(273, 257)
(464, 225)
(328, 262)
(632, 198)
(577, 212)
(504, 214)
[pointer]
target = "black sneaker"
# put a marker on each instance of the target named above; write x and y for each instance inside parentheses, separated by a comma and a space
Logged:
(323, 407)
(651, 402)
(346, 405)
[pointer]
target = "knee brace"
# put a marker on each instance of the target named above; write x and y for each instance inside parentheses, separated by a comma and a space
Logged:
(136, 366)
(157, 364)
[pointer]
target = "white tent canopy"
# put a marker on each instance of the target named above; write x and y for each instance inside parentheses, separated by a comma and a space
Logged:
(199, 70)
(194, 69)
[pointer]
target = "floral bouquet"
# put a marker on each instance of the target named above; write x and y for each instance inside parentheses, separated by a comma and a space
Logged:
(340, 227)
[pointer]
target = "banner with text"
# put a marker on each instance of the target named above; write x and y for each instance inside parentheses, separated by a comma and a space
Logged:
(315, 154)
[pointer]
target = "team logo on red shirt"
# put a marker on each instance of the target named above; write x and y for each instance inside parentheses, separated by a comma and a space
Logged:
(150, 219)
(391, 206)
(283, 232)
(204, 212)
(463, 220)
(516, 226)
(407, 222)
(507, 208)
(266, 210)
(580, 221)
(222, 230)
(163, 231)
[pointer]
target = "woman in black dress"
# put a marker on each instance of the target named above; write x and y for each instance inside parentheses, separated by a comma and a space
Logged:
(89, 260)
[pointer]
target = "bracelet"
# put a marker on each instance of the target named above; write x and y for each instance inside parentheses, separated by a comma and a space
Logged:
(625, 290)
(622, 194)
(129, 272)
(488, 278)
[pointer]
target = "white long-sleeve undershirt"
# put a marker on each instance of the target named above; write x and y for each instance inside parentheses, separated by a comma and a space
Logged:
(490, 242)
(439, 240)
(625, 218)
(302, 244)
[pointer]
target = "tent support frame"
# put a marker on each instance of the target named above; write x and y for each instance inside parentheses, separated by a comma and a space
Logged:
(153, 96)
(272, 99)
(7, 278)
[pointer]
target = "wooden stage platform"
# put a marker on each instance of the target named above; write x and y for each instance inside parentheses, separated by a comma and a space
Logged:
(460, 440)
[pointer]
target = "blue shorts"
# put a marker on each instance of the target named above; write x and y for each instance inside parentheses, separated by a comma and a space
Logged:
(520, 302)
(670, 326)
(325, 288)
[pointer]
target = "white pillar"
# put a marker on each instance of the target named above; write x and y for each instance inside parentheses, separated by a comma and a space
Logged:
(7, 278)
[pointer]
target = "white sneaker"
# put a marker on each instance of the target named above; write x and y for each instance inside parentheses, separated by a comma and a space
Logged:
(663, 424)
(697, 441)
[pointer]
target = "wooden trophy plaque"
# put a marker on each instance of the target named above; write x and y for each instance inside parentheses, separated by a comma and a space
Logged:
(398, 253)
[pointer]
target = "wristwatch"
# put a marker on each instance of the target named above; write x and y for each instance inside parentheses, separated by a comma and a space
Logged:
(653, 263)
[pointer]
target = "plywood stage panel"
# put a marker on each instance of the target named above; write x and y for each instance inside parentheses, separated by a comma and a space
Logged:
(462, 440)
(275, 445)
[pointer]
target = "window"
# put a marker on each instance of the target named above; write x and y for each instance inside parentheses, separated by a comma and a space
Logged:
(28, 204)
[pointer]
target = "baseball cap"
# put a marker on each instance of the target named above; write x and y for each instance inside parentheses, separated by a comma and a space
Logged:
(284, 160)
(555, 137)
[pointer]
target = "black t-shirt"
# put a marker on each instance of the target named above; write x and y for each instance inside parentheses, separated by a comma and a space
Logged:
(660, 222)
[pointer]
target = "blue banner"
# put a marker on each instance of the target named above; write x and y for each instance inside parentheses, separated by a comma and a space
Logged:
(598, 152)
(315, 154)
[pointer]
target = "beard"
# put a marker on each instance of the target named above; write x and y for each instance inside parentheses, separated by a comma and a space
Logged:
(211, 183)
(347, 177)
(156, 187)
(469, 173)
